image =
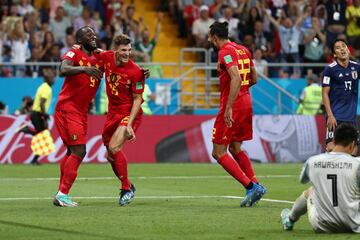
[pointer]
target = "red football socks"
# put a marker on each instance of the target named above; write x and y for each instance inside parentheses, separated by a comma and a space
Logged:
(70, 172)
(245, 164)
(230, 165)
(119, 166)
(62, 168)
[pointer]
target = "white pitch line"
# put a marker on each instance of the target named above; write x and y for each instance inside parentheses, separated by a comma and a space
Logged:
(141, 178)
(146, 197)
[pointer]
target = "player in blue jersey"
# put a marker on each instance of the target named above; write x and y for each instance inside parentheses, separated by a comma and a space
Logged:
(340, 90)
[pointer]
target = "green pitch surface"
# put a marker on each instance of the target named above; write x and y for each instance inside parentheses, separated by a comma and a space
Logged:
(173, 201)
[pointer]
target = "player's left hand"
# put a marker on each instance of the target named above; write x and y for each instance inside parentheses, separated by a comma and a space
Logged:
(146, 72)
(130, 134)
(228, 117)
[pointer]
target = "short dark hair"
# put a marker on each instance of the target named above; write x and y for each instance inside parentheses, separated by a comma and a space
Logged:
(220, 30)
(121, 39)
(81, 32)
(335, 41)
(345, 134)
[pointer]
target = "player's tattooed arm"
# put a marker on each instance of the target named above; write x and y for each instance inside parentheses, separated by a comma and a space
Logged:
(67, 69)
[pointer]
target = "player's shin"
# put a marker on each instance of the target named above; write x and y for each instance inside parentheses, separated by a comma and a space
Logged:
(120, 168)
(230, 165)
(299, 208)
(70, 172)
(245, 164)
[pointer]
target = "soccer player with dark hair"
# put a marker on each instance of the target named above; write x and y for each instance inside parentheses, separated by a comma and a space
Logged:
(233, 124)
(82, 78)
(340, 90)
(333, 200)
(124, 87)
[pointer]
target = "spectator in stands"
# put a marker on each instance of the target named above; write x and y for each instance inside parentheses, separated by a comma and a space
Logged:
(109, 34)
(26, 106)
(59, 24)
(289, 33)
(19, 47)
(336, 20)
(144, 45)
(291, 10)
(260, 64)
(69, 42)
(253, 17)
(54, 4)
(131, 25)
(353, 27)
(96, 6)
(73, 8)
(216, 9)
(191, 13)
(36, 56)
(241, 8)
(228, 13)
(201, 26)
(248, 42)
(315, 42)
(97, 19)
(85, 20)
(48, 42)
(262, 39)
(24, 8)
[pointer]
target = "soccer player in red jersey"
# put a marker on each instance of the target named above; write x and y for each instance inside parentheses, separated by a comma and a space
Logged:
(124, 88)
(233, 124)
(82, 79)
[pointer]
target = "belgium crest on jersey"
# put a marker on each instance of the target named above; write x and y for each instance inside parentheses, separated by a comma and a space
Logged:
(354, 75)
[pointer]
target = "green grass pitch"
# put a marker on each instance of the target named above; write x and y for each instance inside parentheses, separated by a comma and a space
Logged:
(173, 201)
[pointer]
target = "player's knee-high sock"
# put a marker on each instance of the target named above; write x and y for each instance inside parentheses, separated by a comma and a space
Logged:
(70, 172)
(120, 168)
(298, 209)
(230, 165)
(62, 169)
(245, 164)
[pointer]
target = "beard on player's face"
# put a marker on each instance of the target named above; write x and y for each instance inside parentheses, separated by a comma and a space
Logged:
(89, 46)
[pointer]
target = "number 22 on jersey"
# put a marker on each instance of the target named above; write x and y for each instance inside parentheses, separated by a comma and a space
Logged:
(244, 70)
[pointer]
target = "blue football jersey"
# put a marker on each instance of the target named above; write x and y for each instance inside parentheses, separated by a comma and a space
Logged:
(343, 83)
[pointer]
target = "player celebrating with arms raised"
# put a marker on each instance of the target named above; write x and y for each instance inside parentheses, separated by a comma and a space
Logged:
(124, 87)
(233, 124)
(82, 79)
(340, 90)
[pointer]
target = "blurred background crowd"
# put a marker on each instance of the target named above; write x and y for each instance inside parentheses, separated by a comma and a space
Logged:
(274, 30)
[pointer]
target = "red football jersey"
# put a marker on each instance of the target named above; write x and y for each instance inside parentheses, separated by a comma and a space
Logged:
(121, 82)
(229, 55)
(78, 90)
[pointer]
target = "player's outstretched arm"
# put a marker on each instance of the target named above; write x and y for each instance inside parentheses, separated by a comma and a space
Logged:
(67, 69)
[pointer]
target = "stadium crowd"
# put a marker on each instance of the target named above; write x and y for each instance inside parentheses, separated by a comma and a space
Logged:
(42, 30)
(274, 30)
